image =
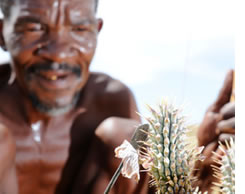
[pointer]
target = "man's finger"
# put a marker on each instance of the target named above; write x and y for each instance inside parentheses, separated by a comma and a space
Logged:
(225, 92)
(206, 132)
(208, 153)
(226, 126)
(228, 110)
(225, 137)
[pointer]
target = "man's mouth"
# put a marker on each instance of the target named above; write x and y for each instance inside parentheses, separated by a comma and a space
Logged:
(54, 68)
(54, 76)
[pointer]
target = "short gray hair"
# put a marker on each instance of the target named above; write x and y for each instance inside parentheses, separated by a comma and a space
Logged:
(6, 4)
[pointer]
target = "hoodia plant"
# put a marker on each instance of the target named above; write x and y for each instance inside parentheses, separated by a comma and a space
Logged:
(224, 170)
(163, 149)
(165, 154)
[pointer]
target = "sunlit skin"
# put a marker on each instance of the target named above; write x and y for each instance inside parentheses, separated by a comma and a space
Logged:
(60, 123)
(50, 33)
(80, 116)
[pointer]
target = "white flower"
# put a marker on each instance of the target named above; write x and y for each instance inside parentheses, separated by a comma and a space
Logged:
(130, 160)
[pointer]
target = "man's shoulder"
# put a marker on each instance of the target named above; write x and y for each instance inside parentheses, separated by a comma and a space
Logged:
(5, 72)
(107, 86)
(108, 83)
(109, 96)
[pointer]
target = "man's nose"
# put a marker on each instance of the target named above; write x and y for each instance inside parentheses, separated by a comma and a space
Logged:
(57, 49)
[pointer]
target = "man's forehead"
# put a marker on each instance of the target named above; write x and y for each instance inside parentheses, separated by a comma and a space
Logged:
(88, 4)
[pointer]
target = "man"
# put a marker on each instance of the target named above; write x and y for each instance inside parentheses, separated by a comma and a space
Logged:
(59, 122)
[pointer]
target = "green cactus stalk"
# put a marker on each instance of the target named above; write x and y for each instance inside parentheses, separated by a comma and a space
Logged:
(167, 155)
(225, 168)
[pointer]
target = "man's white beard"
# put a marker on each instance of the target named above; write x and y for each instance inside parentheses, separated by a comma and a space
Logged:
(53, 110)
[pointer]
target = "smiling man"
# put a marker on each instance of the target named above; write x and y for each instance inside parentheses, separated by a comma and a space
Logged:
(59, 122)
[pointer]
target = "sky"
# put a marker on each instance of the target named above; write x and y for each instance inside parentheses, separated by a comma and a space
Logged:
(178, 50)
(160, 49)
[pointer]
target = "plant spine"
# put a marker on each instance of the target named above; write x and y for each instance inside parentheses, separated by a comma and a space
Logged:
(166, 155)
(225, 168)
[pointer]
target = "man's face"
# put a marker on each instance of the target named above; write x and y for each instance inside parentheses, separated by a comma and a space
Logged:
(52, 43)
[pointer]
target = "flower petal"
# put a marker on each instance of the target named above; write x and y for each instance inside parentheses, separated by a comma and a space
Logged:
(130, 160)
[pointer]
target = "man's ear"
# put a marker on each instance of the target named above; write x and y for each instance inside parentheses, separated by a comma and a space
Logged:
(2, 42)
(99, 24)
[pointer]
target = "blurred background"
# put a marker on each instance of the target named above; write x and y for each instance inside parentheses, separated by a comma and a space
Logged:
(176, 49)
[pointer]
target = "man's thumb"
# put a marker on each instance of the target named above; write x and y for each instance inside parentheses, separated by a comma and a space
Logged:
(225, 92)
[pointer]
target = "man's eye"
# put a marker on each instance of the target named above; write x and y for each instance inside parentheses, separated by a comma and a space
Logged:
(34, 27)
(79, 28)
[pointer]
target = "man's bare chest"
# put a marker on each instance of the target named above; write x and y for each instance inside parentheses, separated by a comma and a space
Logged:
(63, 158)
(40, 159)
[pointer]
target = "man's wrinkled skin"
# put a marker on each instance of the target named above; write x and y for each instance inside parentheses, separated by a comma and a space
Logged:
(218, 125)
(81, 116)
(59, 122)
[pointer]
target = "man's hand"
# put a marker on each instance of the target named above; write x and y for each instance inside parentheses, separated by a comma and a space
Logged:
(218, 125)
(8, 180)
(113, 131)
